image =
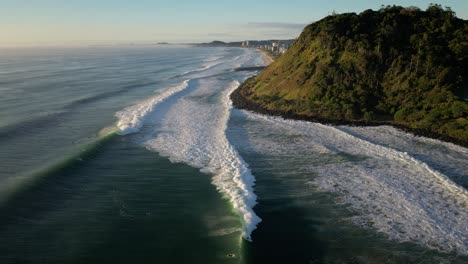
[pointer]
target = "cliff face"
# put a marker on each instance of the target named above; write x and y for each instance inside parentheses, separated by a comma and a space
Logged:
(400, 66)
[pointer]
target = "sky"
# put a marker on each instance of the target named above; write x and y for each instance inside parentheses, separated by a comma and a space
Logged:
(96, 22)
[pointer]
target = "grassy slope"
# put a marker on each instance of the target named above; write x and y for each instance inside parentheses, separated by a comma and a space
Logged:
(396, 65)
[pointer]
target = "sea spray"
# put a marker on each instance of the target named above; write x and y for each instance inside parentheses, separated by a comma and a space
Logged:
(389, 190)
(132, 118)
(193, 131)
(447, 157)
(244, 199)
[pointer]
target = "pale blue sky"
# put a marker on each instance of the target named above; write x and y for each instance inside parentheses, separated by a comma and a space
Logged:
(70, 22)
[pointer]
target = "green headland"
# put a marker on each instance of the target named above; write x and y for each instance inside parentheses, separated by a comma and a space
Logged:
(399, 66)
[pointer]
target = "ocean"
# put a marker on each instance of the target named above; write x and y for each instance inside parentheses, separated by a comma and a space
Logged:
(136, 155)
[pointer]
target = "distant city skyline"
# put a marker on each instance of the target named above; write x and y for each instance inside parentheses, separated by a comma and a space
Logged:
(87, 22)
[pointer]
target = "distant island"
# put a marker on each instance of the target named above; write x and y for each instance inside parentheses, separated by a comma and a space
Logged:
(163, 43)
(398, 66)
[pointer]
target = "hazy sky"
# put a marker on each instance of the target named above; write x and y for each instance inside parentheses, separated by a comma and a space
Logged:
(78, 22)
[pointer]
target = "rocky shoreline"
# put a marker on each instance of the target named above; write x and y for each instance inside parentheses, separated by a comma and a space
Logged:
(240, 102)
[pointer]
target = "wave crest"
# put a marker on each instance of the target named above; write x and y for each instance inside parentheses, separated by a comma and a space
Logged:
(194, 133)
(131, 119)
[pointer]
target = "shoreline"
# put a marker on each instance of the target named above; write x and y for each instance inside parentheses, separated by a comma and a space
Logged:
(267, 59)
(240, 102)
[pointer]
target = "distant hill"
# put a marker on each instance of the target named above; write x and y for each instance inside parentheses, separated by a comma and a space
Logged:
(215, 43)
(399, 66)
(251, 43)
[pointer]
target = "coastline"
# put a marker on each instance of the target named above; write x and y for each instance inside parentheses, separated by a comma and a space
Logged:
(241, 102)
(267, 59)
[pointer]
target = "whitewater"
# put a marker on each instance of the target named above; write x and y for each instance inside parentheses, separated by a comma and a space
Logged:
(410, 189)
(192, 131)
(391, 187)
(136, 154)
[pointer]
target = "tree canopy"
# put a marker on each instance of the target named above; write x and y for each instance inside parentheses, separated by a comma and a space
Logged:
(397, 65)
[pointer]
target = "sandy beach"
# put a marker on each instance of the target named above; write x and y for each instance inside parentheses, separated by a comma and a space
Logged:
(266, 58)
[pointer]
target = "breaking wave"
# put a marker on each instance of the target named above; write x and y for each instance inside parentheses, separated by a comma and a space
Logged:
(190, 127)
(132, 118)
(391, 191)
(193, 132)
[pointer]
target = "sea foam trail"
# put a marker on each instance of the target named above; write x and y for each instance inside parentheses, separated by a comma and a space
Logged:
(132, 118)
(191, 128)
(193, 131)
(392, 191)
(445, 157)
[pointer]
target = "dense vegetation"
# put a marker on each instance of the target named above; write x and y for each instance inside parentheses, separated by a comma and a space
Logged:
(402, 66)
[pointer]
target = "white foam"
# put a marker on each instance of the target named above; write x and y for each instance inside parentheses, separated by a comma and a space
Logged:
(204, 67)
(392, 191)
(193, 132)
(443, 156)
(131, 119)
(213, 58)
(209, 64)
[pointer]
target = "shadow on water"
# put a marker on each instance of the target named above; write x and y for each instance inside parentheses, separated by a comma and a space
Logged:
(121, 204)
(285, 235)
(301, 224)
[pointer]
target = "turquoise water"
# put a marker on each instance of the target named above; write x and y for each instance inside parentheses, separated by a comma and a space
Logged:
(134, 154)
